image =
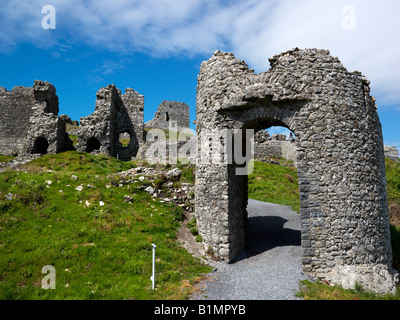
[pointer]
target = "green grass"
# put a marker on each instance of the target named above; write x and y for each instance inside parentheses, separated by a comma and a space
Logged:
(6, 158)
(279, 184)
(274, 183)
(98, 252)
(393, 189)
(124, 142)
(74, 139)
(319, 291)
(104, 252)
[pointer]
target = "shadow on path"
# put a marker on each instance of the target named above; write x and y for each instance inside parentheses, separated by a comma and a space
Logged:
(265, 233)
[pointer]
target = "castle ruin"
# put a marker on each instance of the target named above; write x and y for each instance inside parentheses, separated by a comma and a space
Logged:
(275, 146)
(115, 114)
(345, 235)
(170, 113)
(338, 151)
(29, 121)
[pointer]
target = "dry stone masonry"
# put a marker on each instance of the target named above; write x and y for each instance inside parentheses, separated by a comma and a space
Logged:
(29, 122)
(277, 146)
(338, 151)
(170, 112)
(115, 114)
(340, 160)
(391, 153)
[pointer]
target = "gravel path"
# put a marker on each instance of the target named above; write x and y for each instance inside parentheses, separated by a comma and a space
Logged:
(270, 266)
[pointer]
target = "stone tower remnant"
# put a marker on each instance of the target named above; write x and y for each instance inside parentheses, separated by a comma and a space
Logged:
(345, 235)
(29, 121)
(170, 112)
(115, 114)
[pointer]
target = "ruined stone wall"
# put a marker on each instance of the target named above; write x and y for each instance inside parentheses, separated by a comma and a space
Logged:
(160, 148)
(276, 146)
(391, 153)
(29, 115)
(114, 114)
(170, 111)
(280, 146)
(340, 158)
(15, 112)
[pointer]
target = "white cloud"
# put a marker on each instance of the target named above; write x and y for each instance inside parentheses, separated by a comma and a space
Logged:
(253, 29)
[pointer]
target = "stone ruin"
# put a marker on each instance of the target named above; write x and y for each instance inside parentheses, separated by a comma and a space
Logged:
(29, 121)
(345, 235)
(391, 153)
(168, 133)
(275, 146)
(338, 150)
(170, 113)
(115, 114)
(120, 116)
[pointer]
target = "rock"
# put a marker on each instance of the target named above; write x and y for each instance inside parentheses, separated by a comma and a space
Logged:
(101, 203)
(65, 118)
(149, 189)
(173, 174)
(79, 188)
(128, 199)
(49, 182)
(391, 153)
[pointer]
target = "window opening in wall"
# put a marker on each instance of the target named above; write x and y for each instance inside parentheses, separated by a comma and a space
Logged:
(41, 145)
(124, 139)
(92, 144)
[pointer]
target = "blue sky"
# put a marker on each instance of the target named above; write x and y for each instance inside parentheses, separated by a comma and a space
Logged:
(78, 78)
(156, 46)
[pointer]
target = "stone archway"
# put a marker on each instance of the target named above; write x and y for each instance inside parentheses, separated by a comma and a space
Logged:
(40, 145)
(344, 211)
(92, 144)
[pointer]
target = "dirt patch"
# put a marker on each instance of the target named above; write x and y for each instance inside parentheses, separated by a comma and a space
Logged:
(187, 240)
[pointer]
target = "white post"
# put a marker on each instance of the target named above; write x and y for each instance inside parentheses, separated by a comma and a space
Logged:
(153, 277)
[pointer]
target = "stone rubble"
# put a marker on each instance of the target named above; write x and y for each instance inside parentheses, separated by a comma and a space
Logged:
(182, 196)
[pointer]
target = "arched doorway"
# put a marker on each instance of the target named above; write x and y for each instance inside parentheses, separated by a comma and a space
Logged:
(273, 207)
(345, 235)
(40, 145)
(92, 145)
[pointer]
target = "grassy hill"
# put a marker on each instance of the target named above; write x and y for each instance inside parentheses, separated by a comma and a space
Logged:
(99, 244)
(393, 189)
(274, 183)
